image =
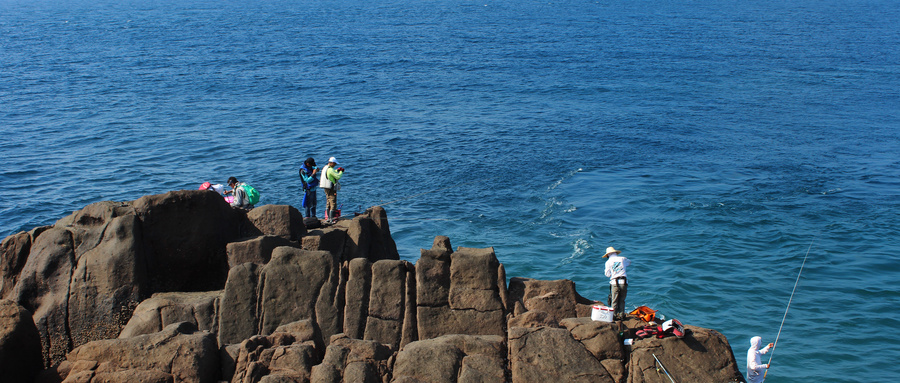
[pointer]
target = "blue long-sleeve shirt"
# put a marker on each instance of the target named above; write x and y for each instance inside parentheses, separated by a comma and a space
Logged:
(310, 181)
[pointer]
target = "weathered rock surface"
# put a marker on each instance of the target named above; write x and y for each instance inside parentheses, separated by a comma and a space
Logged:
(453, 358)
(463, 293)
(13, 254)
(354, 360)
(256, 250)
(298, 284)
(179, 352)
(162, 309)
(20, 344)
(557, 298)
(602, 340)
(43, 289)
(265, 294)
(552, 354)
(287, 355)
(239, 317)
(391, 318)
(185, 233)
(281, 221)
(704, 356)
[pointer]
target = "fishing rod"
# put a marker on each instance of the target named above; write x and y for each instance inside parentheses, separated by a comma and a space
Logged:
(788, 308)
(664, 369)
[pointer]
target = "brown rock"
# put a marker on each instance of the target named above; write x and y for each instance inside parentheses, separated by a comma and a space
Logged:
(303, 331)
(257, 250)
(360, 232)
(298, 284)
(185, 233)
(452, 358)
(383, 245)
(558, 298)
(703, 356)
(20, 344)
(276, 220)
(602, 340)
(353, 360)
(433, 276)
(178, 350)
(152, 315)
(43, 288)
(228, 356)
(475, 295)
(129, 376)
(13, 254)
(551, 354)
(108, 282)
(532, 319)
(286, 355)
(358, 287)
(389, 302)
(329, 239)
(239, 312)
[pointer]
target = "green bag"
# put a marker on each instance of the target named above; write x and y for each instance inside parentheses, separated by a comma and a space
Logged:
(252, 194)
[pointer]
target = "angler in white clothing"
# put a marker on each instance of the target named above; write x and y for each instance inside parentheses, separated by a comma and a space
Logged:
(618, 281)
(756, 371)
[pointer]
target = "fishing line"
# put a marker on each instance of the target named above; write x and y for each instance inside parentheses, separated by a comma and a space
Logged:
(788, 307)
(428, 192)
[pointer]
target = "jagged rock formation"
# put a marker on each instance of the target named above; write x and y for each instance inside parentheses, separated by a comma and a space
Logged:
(180, 287)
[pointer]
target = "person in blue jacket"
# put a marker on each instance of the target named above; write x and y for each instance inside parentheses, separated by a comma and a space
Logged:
(309, 177)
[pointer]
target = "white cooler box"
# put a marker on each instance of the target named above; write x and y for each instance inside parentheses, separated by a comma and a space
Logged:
(602, 313)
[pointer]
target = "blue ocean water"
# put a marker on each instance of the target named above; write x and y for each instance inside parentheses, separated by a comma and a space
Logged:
(715, 143)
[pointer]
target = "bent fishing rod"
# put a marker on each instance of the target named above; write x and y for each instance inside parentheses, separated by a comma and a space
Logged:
(788, 308)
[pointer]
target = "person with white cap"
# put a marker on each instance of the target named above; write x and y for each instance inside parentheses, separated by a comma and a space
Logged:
(329, 183)
(756, 371)
(618, 283)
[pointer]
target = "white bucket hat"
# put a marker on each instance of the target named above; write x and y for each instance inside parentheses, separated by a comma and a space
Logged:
(332, 159)
(610, 250)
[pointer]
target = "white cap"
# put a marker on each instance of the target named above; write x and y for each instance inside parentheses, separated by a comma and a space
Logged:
(332, 159)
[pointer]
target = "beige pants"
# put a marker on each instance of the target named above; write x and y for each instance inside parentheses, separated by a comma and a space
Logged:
(331, 199)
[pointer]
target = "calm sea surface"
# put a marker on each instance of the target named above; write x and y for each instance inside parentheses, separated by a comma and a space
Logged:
(715, 143)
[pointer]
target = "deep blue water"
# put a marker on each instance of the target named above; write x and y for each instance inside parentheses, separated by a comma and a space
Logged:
(715, 143)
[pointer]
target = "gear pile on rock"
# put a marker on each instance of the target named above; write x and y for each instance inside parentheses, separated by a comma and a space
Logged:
(180, 287)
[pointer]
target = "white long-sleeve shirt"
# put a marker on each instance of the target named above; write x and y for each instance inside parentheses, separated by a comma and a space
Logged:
(755, 369)
(615, 267)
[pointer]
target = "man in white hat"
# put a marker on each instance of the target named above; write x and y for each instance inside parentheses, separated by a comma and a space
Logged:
(618, 283)
(329, 183)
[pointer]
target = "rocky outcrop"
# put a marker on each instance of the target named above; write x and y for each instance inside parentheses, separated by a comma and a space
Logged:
(602, 341)
(557, 298)
(703, 356)
(354, 360)
(257, 250)
(461, 292)
(281, 221)
(163, 309)
(20, 344)
(182, 287)
(288, 355)
(179, 353)
(453, 358)
(552, 354)
(13, 254)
